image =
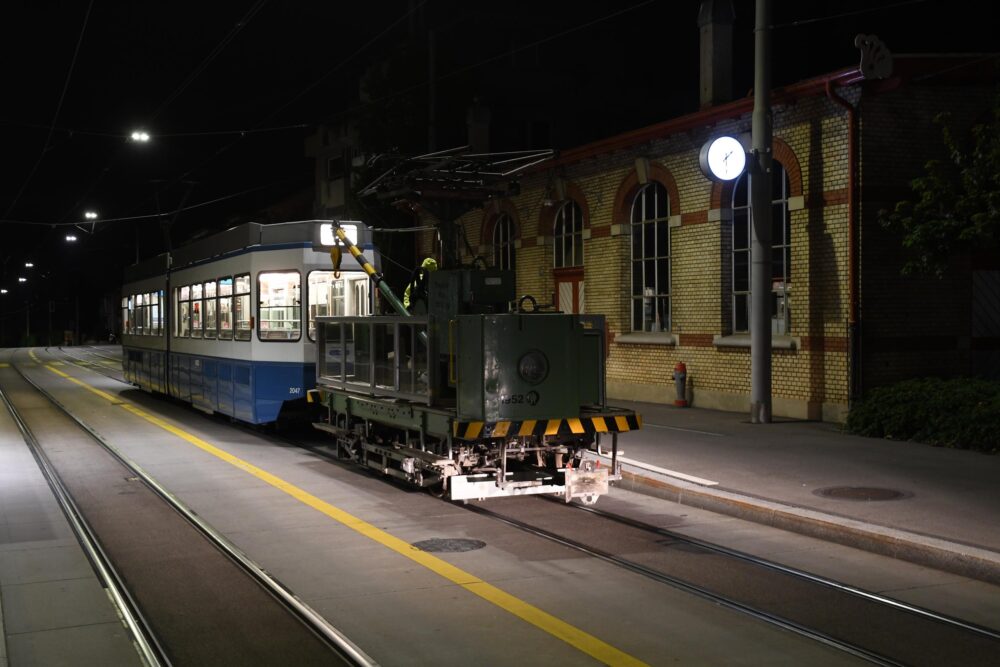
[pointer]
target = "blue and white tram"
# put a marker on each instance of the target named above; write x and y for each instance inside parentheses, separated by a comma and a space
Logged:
(219, 323)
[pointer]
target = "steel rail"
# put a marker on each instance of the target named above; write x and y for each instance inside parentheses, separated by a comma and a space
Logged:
(693, 589)
(678, 583)
(306, 614)
(817, 579)
(94, 350)
(791, 571)
(145, 642)
(90, 365)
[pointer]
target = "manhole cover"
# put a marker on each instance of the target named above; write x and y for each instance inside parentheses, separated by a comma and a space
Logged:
(860, 493)
(449, 545)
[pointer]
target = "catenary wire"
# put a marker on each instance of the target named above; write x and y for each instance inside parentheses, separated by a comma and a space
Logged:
(219, 48)
(486, 61)
(831, 17)
(55, 116)
(170, 98)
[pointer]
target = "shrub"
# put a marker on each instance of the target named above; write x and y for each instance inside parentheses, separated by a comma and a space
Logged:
(960, 412)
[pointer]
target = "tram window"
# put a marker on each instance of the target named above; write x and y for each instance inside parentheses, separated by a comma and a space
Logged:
(155, 321)
(139, 314)
(326, 297)
(124, 315)
(197, 309)
(183, 312)
(210, 323)
(241, 307)
(361, 303)
(279, 306)
(131, 315)
(226, 308)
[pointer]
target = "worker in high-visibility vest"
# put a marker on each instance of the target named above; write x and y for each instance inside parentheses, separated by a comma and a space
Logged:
(417, 289)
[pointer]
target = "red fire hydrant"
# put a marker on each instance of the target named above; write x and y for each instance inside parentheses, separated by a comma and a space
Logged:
(680, 384)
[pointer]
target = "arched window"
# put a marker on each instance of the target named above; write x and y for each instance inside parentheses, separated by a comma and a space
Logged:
(651, 259)
(503, 243)
(568, 236)
(781, 265)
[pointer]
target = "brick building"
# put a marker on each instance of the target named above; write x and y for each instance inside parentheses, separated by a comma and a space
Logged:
(630, 227)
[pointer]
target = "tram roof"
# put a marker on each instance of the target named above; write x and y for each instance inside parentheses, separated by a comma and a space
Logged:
(235, 239)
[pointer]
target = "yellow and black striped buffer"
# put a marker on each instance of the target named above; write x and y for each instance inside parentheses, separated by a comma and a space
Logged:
(606, 423)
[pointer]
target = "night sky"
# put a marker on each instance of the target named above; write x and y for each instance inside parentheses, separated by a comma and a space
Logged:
(229, 91)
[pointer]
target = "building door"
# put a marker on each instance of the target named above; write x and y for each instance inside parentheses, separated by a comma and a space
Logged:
(569, 290)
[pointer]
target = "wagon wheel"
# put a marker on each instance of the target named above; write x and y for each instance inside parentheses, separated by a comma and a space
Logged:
(439, 490)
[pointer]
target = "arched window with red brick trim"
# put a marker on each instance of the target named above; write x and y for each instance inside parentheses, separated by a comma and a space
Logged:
(567, 236)
(781, 246)
(567, 257)
(650, 257)
(504, 234)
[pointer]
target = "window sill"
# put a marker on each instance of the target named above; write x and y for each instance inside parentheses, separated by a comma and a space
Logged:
(743, 340)
(647, 338)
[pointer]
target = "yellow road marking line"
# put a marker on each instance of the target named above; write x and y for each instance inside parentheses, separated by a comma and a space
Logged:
(542, 620)
(31, 353)
(4, 365)
(103, 394)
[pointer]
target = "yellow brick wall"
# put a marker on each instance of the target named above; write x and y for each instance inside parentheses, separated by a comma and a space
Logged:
(816, 132)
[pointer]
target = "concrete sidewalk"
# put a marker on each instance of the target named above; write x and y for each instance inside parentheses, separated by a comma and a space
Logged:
(932, 506)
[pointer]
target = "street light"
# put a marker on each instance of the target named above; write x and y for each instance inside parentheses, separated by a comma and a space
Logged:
(3, 290)
(71, 237)
(22, 279)
(90, 215)
(29, 265)
(140, 136)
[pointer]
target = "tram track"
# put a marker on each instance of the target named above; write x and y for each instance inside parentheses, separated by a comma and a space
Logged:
(143, 637)
(777, 567)
(114, 538)
(867, 625)
(97, 352)
(90, 365)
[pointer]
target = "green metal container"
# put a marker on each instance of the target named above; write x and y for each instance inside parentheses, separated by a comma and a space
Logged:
(513, 367)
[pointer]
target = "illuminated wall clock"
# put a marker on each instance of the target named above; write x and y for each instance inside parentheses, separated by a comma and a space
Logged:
(723, 158)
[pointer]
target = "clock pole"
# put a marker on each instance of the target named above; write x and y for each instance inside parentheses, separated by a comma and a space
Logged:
(759, 167)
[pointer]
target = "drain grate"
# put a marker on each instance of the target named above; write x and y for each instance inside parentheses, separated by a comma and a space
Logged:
(860, 493)
(449, 545)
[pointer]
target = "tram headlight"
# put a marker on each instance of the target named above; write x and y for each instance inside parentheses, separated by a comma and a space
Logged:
(533, 367)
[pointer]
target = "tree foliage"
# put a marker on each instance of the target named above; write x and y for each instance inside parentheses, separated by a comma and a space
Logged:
(956, 204)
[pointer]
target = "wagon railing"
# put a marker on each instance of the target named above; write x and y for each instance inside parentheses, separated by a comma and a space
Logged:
(385, 356)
